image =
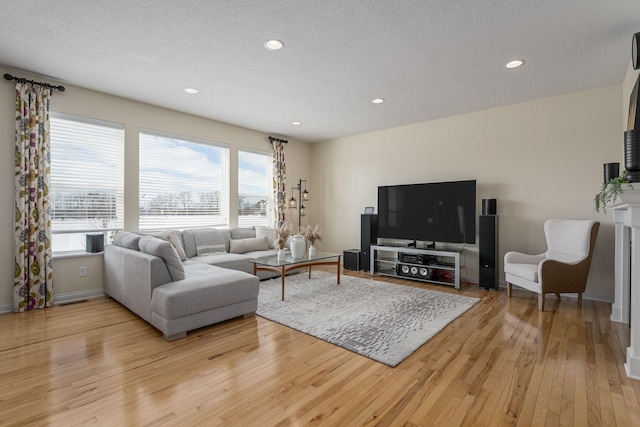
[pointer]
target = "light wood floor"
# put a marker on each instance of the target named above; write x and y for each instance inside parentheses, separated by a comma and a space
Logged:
(501, 363)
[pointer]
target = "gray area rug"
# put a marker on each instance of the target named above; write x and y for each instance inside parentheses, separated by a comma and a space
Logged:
(383, 321)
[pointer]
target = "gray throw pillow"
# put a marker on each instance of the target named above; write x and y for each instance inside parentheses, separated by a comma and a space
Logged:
(173, 237)
(240, 246)
(127, 240)
(160, 248)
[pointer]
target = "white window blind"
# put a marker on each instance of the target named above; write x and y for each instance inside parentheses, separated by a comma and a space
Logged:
(87, 179)
(184, 182)
(255, 189)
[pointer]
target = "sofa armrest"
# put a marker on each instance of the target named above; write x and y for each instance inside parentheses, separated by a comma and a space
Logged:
(130, 277)
(520, 258)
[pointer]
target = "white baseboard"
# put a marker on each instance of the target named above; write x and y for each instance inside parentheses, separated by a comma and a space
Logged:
(63, 298)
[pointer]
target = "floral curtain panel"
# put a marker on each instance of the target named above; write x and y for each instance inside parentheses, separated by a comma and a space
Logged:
(33, 281)
(279, 181)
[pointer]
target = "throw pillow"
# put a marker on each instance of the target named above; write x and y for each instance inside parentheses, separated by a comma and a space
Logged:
(127, 240)
(160, 248)
(240, 246)
(270, 233)
(173, 237)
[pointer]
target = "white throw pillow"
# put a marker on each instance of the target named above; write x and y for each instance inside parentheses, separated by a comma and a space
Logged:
(269, 233)
(173, 237)
(240, 246)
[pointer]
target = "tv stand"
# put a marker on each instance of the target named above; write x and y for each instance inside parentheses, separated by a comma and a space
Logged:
(443, 268)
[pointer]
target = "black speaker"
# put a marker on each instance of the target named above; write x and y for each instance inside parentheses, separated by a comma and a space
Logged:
(95, 243)
(351, 259)
(368, 237)
(488, 249)
(489, 207)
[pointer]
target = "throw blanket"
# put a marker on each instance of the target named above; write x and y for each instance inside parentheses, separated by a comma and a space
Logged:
(208, 242)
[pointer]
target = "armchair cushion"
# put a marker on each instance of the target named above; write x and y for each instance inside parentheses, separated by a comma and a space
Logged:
(526, 271)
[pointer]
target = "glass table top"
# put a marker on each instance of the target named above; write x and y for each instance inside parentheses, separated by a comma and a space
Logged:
(272, 260)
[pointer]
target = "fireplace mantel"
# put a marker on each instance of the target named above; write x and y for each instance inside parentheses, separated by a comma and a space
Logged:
(627, 275)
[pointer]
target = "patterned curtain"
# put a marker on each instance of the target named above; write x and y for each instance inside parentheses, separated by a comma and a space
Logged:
(279, 181)
(33, 281)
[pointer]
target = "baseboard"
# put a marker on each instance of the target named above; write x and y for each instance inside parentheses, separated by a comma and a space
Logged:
(79, 295)
(62, 298)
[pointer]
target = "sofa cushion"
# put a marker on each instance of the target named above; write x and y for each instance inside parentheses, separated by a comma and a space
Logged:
(160, 248)
(127, 240)
(205, 241)
(270, 233)
(175, 238)
(240, 246)
(242, 233)
(238, 262)
(205, 288)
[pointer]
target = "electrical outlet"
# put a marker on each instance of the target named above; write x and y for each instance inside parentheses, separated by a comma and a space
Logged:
(84, 271)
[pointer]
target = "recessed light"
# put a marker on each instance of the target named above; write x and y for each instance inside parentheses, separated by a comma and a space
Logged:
(273, 44)
(296, 123)
(514, 64)
(191, 90)
(377, 101)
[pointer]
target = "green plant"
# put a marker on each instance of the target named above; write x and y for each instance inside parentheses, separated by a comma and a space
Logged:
(610, 191)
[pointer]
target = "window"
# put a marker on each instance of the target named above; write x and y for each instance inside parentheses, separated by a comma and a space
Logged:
(255, 189)
(87, 180)
(183, 182)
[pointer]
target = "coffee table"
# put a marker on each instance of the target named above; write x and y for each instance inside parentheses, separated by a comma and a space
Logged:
(271, 263)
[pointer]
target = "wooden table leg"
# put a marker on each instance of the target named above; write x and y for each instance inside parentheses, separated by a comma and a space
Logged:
(338, 265)
(282, 274)
(309, 272)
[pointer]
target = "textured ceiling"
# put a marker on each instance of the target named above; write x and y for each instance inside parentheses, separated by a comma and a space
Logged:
(427, 59)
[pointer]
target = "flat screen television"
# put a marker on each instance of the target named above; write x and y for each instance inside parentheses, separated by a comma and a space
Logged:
(437, 212)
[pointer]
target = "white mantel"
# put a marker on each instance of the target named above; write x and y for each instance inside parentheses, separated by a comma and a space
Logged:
(627, 275)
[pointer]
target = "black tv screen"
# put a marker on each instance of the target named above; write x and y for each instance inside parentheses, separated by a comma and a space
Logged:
(438, 212)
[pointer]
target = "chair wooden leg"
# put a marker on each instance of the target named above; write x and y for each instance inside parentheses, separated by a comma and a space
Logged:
(509, 289)
(541, 302)
(579, 299)
(558, 295)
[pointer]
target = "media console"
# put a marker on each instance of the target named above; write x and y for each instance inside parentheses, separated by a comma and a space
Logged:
(427, 265)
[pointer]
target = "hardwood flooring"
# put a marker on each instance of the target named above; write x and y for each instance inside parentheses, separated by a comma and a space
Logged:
(502, 363)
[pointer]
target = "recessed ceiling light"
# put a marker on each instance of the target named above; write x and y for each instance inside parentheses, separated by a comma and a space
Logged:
(296, 123)
(191, 90)
(514, 64)
(377, 101)
(273, 44)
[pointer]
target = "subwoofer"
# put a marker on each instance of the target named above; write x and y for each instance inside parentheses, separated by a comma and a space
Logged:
(368, 237)
(488, 251)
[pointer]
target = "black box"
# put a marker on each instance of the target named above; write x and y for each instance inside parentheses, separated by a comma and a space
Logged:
(95, 243)
(352, 259)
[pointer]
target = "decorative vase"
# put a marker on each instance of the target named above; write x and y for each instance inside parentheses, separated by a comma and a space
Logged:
(298, 246)
(611, 170)
(312, 250)
(282, 255)
(632, 155)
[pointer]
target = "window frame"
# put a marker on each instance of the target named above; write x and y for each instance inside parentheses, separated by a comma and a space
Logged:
(270, 209)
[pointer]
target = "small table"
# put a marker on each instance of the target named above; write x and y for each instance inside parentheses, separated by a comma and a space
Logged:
(271, 263)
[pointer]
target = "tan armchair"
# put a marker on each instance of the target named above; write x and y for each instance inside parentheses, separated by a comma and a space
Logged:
(563, 268)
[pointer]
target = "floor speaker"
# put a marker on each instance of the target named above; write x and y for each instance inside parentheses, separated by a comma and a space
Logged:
(488, 251)
(368, 237)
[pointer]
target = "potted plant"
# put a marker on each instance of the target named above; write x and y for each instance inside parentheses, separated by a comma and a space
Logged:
(610, 191)
(282, 234)
(312, 234)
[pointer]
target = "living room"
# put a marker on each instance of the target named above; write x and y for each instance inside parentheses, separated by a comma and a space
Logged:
(540, 158)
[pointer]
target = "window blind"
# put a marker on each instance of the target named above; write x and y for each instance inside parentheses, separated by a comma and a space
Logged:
(184, 182)
(255, 189)
(87, 179)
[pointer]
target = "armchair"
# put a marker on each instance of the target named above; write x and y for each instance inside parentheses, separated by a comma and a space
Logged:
(563, 268)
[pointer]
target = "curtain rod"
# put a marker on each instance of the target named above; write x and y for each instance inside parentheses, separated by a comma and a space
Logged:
(271, 139)
(23, 80)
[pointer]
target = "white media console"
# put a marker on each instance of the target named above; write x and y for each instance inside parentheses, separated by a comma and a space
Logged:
(443, 268)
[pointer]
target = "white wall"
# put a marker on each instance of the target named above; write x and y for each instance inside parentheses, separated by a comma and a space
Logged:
(539, 159)
(134, 115)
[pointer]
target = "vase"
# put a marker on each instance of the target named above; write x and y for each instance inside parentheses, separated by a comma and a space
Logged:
(298, 245)
(611, 170)
(312, 251)
(282, 255)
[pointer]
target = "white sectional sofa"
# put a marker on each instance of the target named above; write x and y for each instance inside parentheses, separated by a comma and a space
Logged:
(183, 280)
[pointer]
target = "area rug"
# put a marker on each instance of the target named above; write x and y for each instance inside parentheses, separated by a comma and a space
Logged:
(383, 321)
